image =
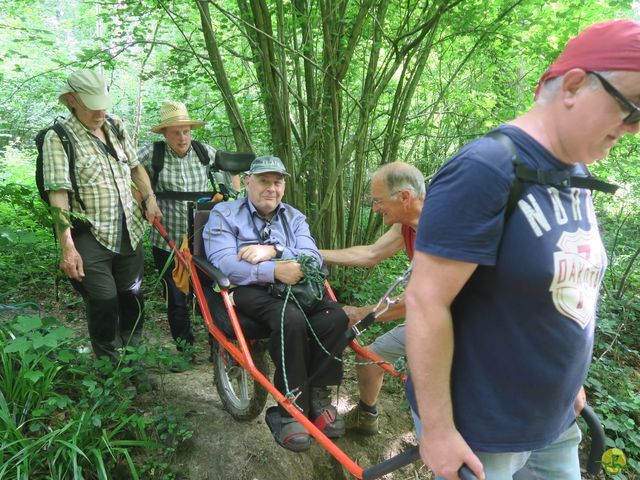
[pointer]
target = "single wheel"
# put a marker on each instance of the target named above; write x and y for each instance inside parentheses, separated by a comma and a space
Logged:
(242, 396)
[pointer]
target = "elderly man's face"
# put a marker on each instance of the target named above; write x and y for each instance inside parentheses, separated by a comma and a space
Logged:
(597, 119)
(179, 139)
(265, 191)
(389, 204)
(92, 119)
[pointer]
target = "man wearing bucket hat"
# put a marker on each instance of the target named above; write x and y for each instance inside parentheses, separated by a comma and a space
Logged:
(501, 307)
(182, 170)
(102, 255)
(256, 242)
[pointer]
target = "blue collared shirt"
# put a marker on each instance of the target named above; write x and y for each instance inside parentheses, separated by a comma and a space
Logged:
(233, 225)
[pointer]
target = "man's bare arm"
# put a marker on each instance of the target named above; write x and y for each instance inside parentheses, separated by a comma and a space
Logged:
(367, 255)
(434, 284)
(394, 312)
(235, 183)
(70, 260)
(143, 184)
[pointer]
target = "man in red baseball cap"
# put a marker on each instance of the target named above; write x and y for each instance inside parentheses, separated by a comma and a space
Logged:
(501, 304)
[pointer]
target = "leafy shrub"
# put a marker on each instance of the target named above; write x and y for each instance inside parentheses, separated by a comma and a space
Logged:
(25, 231)
(66, 415)
(614, 379)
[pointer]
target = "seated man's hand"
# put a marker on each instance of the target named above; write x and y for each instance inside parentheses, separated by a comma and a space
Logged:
(356, 314)
(288, 272)
(256, 253)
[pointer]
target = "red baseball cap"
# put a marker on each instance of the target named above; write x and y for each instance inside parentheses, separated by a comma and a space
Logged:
(609, 45)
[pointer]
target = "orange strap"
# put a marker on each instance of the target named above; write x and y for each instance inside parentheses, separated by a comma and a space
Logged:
(180, 274)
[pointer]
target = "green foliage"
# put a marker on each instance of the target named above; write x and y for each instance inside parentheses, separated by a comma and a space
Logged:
(25, 231)
(483, 60)
(20, 205)
(614, 390)
(65, 415)
(613, 380)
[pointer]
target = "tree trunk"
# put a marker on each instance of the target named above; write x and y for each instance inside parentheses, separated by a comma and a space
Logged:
(240, 134)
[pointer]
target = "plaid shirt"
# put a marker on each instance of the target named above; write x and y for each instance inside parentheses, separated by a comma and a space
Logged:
(104, 183)
(179, 174)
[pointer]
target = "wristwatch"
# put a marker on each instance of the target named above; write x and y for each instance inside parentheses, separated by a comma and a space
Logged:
(279, 250)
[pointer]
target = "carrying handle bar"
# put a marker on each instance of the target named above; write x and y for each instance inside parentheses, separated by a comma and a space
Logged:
(412, 454)
(598, 438)
(403, 459)
(386, 300)
(382, 306)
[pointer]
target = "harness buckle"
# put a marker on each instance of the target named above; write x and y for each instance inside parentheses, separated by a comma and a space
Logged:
(387, 301)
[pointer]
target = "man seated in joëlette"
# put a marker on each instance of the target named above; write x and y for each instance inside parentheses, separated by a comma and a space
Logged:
(255, 242)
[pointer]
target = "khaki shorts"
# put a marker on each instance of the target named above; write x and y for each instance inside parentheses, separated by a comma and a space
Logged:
(390, 346)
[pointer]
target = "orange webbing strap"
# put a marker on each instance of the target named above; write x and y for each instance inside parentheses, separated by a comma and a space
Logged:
(180, 274)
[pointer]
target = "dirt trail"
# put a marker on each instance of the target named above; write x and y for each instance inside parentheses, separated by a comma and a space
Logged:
(222, 448)
(225, 449)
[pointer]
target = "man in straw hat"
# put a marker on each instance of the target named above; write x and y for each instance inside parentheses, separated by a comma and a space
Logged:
(103, 255)
(181, 171)
(501, 308)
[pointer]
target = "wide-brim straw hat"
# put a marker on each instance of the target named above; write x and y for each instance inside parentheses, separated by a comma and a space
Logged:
(90, 86)
(175, 114)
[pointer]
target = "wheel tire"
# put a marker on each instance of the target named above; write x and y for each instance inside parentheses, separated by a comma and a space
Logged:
(242, 396)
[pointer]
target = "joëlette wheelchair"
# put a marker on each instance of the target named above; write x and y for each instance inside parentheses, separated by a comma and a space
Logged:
(239, 354)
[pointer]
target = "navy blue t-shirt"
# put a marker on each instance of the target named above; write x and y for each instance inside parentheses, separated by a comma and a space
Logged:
(524, 322)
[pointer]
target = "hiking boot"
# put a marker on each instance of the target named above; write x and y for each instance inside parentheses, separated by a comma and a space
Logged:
(361, 421)
(287, 431)
(325, 415)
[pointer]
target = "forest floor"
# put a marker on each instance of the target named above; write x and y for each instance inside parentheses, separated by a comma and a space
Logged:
(224, 449)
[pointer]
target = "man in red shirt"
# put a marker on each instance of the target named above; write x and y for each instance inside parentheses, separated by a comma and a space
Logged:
(397, 192)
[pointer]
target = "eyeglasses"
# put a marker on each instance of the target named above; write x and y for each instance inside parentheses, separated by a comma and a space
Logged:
(626, 104)
(375, 202)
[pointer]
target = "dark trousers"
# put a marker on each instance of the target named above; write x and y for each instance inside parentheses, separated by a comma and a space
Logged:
(302, 354)
(111, 289)
(177, 310)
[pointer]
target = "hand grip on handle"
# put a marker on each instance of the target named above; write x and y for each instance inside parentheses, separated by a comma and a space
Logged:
(465, 473)
(598, 439)
(402, 459)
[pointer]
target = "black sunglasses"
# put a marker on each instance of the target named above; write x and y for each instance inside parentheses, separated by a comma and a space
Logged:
(625, 103)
